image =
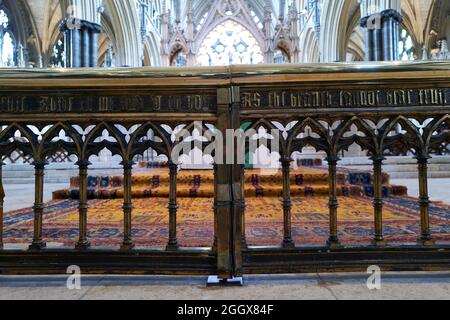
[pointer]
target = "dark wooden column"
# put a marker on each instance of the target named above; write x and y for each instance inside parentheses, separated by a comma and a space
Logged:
(83, 242)
(424, 201)
(237, 215)
(127, 206)
(243, 206)
(2, 200)
(287, 203)
(333, 204)
(214, 247)
(38, 243)
(225, 263)
(378, 200)
(173, 208)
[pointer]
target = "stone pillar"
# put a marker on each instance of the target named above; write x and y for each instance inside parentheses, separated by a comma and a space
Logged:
(75, 46)
(81, 42)
(382, 35)
(85, 48)
(94, 49)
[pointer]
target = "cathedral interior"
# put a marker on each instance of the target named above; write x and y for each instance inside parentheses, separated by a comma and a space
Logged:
(94, 93)
(132, 33)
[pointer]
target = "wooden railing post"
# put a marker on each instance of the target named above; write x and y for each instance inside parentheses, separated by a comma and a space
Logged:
(2, 201)
(214, 246)
(424, 202)
(38, 243)
(83, 242)
(224, 208)
(378, 200)
(173, 208)
(127, 206)
(287, 203)
(333, 204)
(238, 198)
(243, 207)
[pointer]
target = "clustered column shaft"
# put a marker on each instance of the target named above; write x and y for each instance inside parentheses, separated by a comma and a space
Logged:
(81, 43)
(381, 32)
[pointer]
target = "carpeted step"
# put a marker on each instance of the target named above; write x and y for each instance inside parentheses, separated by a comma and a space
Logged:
(258, 183)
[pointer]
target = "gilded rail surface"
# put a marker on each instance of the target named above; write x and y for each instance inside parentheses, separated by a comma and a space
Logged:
(327, 106)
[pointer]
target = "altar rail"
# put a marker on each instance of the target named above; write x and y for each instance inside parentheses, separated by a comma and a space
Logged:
(328, 107)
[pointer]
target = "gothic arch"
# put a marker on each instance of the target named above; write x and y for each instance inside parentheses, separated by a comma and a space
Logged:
(216, 18)
(310, 47)
(125, 21)
(23, 27)
(152, 55)
(334, 23)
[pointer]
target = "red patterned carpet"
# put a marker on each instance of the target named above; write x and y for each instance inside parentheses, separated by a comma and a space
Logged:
(195, 222)
(263, 214)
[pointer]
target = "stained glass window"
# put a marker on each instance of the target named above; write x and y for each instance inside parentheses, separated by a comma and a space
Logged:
(229, 43)
(406, 46)
(6, 42)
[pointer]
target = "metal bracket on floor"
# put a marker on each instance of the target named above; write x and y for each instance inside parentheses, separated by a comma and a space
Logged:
(215, 281)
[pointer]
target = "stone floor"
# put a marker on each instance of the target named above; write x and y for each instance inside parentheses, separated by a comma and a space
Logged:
(353, 286)
(19, 196)
(439, 189)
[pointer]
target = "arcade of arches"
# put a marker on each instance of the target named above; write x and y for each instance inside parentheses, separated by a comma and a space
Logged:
(135, 33)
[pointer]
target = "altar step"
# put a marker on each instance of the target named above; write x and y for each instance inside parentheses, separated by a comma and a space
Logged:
(402, 167)
(258, 183)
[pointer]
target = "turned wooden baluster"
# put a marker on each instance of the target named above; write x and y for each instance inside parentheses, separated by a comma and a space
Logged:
(127, 206)
(2, 199)
(83, 242)
(38, 243)
(173, 208)
(424, 201)
(287, 203)
(333, 204)
(378, 200)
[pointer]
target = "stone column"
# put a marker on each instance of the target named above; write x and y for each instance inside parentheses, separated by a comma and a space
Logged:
(85, 47)
(94, 49)
(381, 31)
(81, 42)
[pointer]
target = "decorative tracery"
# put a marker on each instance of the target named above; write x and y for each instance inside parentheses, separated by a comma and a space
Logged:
(229, 43)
